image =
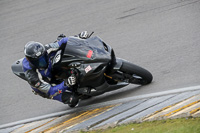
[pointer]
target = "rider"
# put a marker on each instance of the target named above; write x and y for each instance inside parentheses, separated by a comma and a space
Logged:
(37, 66)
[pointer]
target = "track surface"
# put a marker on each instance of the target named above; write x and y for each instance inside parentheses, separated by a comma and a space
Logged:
(162, 36)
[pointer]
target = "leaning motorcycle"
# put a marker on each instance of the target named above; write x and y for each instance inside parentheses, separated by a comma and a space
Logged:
(96, 65)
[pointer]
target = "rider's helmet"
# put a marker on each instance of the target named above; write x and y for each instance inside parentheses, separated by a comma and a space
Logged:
(36, 54)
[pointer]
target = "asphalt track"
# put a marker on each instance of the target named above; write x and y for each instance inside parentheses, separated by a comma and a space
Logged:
(161, 36)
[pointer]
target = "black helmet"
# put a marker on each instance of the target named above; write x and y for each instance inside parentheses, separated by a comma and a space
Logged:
(36, 54)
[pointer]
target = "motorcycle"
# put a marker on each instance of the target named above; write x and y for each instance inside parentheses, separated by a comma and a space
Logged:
(96, 65)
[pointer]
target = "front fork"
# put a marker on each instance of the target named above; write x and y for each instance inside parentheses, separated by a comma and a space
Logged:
(118, 75)
(115, 73)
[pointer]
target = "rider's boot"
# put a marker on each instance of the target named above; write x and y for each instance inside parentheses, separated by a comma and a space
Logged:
(71, 99)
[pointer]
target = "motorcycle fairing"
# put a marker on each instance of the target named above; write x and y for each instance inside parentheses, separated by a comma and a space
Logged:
(92, 55)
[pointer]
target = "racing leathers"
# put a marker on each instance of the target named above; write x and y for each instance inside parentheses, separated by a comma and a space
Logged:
(40, 79)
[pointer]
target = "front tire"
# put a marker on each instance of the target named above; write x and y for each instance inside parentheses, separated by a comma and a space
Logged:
(137, 74)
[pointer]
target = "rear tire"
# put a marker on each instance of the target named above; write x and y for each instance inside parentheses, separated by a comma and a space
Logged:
(138, 75)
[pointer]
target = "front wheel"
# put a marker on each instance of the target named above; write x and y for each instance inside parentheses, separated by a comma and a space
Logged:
(136, 74)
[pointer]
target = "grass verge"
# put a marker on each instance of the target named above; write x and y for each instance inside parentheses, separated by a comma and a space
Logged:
(183, 125)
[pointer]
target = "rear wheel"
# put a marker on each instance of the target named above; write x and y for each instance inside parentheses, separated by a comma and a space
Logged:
(136, 74)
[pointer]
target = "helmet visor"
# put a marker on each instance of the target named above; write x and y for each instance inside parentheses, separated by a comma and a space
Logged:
(41, 62)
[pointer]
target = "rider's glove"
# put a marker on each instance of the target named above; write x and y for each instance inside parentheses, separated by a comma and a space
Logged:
(71, 80)
(84, 35)
(60, 37)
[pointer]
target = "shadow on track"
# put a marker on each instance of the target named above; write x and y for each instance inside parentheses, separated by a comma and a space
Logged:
(118, 94)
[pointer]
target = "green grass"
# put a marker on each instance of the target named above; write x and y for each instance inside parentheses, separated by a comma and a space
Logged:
(183, 125)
